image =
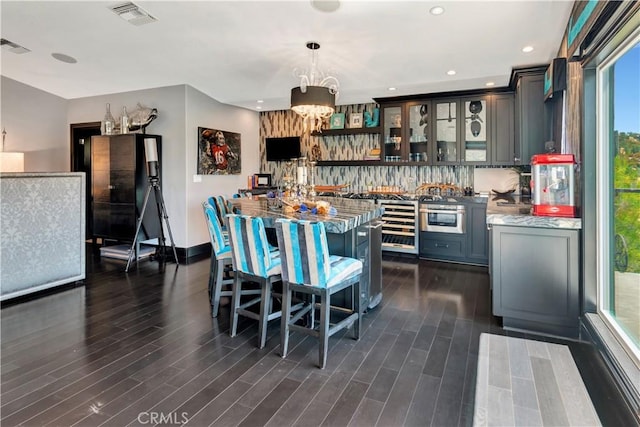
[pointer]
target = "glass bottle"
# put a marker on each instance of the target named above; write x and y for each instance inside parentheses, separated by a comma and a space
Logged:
(312, 181)
(108, 123)
(124, 121)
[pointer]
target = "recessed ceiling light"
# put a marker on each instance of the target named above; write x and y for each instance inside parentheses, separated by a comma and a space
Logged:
(436, 10)
(489, 84)
(451, 72)
(391, 89)
(64, 58)
(527, 49)
(325, 5)
(260, 101)
(259, 107)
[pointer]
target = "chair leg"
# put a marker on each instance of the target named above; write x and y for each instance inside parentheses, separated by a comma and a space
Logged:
(356, 303)
(235, 304)
(264, 312)
(325, 305)
(312, 312)
(212, 276)
(284, 319)
(217, 287)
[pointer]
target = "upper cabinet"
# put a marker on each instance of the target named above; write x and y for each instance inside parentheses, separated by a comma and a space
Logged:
(470, 130)
(462, 130)
(529, 114)
(406, 132)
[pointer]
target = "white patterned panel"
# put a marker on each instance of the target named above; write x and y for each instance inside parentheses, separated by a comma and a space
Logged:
(42, 234)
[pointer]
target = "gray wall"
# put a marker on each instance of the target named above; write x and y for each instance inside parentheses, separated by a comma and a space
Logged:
(36, 124)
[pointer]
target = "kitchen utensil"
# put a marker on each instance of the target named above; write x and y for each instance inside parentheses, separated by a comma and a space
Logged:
(476, 127)
(475, 107)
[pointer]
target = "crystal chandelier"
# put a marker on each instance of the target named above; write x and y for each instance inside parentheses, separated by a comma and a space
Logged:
(315, 99)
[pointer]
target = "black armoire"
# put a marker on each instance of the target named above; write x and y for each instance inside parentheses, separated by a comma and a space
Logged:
(119, 182)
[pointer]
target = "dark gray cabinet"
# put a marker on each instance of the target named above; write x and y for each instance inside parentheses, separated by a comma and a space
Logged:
(118, 185)
(443, 246)
(503, 129)
(477, 234)
(471, 130)
(472, 247)
(363, 243)
(534, 278)
(529, 115)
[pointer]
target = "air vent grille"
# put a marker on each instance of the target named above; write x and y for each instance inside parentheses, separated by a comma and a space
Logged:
(133, 14)
(13, 47)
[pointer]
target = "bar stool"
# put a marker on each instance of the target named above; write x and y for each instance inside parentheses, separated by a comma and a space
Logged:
(220, 260)
(308, 268)
(252, 261)
(222, 207)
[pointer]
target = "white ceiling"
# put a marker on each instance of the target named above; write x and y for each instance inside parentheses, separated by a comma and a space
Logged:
(241, 51)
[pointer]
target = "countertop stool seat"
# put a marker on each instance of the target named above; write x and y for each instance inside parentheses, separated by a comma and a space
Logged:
(220, 260)
(253, 262)
(308, 268)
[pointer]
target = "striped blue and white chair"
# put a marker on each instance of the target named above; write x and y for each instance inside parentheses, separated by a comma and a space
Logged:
(253, 262)
(220, 260)
(222, 207)
(308, 268)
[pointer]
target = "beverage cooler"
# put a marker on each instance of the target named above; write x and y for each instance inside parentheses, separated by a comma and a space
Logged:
(553, 185)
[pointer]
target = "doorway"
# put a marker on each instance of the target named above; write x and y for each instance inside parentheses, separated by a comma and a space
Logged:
(81, 134)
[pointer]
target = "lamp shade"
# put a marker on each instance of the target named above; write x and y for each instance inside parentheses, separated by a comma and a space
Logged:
(11, 161)
(315, 96)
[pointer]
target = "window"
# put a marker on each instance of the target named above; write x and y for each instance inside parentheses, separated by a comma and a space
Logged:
(618, 193)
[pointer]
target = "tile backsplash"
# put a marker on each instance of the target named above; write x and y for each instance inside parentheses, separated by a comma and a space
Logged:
(354, 147)
(499, 179)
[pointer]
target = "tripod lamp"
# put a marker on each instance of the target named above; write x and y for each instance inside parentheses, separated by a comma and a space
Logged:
(151, 153)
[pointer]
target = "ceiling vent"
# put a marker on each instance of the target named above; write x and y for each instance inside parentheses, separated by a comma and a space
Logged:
(133, 14)
(13, 47)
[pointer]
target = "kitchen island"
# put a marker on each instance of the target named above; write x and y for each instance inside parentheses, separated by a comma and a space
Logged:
(534, 269)
(354, 231)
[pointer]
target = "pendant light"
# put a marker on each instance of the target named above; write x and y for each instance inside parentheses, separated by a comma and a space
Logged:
(315, 99)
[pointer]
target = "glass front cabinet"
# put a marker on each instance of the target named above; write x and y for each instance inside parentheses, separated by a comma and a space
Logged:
(461, 132)
(407, 132)
(468, 130)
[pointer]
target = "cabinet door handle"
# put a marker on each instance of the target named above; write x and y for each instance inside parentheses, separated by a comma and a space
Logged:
(362, 234)
(516, 159)
(442, 246)
(112, 187)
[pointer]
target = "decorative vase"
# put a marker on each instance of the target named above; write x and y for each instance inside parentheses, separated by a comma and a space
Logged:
(108, 123)
(124, 121)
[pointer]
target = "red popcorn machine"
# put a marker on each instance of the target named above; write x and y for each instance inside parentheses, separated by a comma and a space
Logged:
(553, 185)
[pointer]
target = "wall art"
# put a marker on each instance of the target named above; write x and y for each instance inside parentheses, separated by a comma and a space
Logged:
(218, 152)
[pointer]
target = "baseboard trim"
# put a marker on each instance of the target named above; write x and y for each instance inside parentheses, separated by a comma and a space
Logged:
(192, 253)
(622, 368)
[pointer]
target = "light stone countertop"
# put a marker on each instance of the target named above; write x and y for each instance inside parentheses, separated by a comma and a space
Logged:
(520, 214)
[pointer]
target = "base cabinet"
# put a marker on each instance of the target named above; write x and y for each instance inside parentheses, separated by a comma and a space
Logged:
(534, 279)
(472, 247)
(363, 243)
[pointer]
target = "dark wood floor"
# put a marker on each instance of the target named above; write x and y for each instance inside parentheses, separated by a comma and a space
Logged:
(141, 349)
